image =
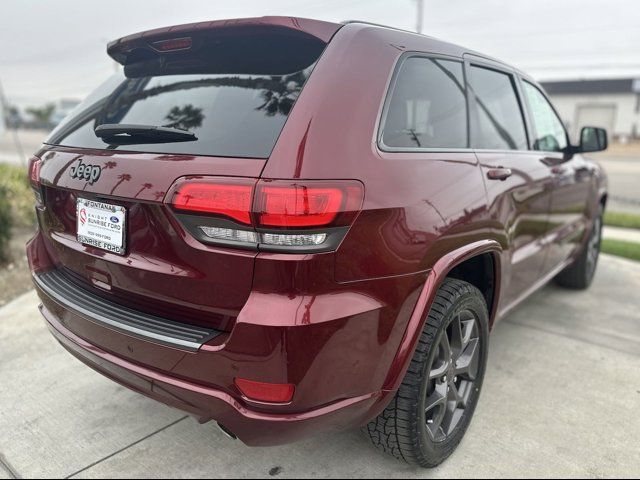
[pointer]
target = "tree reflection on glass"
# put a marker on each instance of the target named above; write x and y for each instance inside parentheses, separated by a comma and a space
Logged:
(283, 93)
(278, 94)
(184, 118)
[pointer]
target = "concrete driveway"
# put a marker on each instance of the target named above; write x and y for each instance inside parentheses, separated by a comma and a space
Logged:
(623, 172)
(561, 398)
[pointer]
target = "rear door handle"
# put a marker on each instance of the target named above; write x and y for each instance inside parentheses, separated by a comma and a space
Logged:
(499, 173)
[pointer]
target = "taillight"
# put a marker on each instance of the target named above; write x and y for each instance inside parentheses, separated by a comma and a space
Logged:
(273, 215)
(266, 392)
(35, 164)
(229, 198)
(34, 171)
(296, 206)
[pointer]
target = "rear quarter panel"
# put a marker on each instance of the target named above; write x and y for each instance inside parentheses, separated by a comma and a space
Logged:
(417, 206)
(422, 212)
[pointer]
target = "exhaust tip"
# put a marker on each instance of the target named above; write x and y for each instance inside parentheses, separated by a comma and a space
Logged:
(226, 431)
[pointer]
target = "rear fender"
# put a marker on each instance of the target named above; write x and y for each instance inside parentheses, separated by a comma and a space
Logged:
(434, 279)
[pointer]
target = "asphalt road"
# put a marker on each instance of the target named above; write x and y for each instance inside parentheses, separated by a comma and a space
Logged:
(561, 398)
(624, 181)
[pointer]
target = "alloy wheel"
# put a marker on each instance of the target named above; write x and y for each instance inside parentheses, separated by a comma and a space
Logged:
(452, 375)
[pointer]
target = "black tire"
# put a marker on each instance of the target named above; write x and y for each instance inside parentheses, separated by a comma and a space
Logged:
(402, 429)
(580, 273)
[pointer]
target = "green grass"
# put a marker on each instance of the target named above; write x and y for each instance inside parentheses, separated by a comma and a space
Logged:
(621, 248)
(619, 219)
(13, 180)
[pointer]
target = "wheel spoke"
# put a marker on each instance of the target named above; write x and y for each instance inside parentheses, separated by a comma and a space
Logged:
(435, 399)
(467, 363)
(468, 327)
(434, 425)
(451, 419)
(464, 392)
(452, 413)
(439, 371)
(436, 404)
(457, 341)
(445, 346)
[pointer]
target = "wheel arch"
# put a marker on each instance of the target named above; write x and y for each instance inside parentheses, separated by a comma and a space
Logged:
(482, 249)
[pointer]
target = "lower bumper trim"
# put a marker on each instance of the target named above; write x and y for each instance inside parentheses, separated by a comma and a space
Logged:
(112, 315)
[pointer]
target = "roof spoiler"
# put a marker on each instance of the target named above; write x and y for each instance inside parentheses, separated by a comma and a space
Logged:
(132, 48)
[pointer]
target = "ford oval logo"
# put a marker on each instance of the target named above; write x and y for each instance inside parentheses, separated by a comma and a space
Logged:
(114, 219)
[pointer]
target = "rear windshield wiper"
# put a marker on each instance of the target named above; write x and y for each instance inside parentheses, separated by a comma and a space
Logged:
(124, 134)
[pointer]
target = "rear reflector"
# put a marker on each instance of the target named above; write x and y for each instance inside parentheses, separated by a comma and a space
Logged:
(230, 199)
(265, 392)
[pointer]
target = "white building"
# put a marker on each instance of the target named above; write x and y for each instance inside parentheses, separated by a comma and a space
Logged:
(613, 104)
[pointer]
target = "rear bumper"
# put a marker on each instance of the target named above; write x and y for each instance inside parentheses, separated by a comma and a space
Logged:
(252, 427)
(336, 347)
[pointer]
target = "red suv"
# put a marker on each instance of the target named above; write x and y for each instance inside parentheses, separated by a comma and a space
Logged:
(290, 226)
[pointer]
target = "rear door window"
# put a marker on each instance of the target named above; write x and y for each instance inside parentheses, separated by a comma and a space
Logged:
(427, 108)
(498, 123)
(236, 105)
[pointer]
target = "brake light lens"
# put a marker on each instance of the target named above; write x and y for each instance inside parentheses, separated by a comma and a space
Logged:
(297, 205)
(266, 392)
(310, 204)
(35, 164)
(34, 171)
(230, 199)
(172, 44)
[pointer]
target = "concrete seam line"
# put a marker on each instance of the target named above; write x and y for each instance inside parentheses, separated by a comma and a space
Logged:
(126, 447)
(7, 466)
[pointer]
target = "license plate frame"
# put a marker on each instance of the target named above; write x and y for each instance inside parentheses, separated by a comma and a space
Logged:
(101, 225)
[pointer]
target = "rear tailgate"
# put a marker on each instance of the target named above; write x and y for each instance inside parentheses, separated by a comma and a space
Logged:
(164, 270)
(231, 85)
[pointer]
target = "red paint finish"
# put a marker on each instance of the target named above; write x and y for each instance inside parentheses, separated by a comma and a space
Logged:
(340, 326)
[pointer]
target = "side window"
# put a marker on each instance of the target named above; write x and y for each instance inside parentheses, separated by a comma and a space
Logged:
(427, 108)
(498, 122)
(550, 135)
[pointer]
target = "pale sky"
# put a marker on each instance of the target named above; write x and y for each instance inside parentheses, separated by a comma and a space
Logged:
(51, 49)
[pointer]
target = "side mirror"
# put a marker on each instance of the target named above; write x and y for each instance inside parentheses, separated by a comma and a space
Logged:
(593, 139)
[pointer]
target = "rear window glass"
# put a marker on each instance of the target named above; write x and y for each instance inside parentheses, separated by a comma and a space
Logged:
(232, 114)
(427, 108)
(499, 123)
